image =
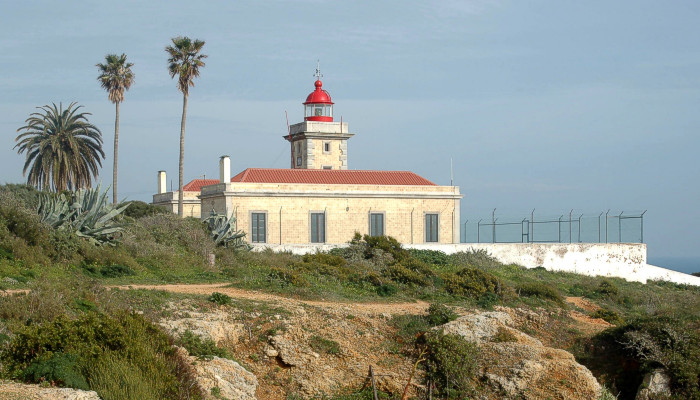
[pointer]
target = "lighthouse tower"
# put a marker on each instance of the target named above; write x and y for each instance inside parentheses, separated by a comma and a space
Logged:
(319, 142)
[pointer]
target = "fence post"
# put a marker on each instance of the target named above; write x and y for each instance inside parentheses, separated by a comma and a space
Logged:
(606, 226)
(532, 222)
(465, 231)
(619, 227)
(493, 229)
(572, 210)
(478, 232)
(579, 228)
(642, 221)
(559, 225)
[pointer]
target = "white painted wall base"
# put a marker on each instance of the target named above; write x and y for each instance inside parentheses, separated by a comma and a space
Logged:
(621, 260)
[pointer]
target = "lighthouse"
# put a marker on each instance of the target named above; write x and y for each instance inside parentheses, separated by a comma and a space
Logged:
(319, 142)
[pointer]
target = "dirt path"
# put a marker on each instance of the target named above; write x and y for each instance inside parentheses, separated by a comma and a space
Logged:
(370, 308)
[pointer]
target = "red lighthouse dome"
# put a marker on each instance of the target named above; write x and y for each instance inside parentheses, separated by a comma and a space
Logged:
(318, 105)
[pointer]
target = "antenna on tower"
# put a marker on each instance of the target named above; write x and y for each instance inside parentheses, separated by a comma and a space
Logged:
(318, 74)
(452, 173)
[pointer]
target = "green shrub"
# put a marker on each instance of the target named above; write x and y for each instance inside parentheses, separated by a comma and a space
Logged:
(450, 364)
(116, 271)
(60, 369)
(287, 277)
(402, 274)
(607, 288)
(439, 314)
(386, 244)
(325, 258)
(541, 291)
(408, 327)
(387, 290)
(139, 209)
(696, 273)
(472, 282)
(323, 345)
(433, 257)
(91, 337)
(608, 316)
(204, 349)
(477, 258)
(220, 299)
(117, 378)
(503, 335)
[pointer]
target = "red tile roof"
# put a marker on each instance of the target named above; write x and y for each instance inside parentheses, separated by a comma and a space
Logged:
(196, 184)
(330, 177)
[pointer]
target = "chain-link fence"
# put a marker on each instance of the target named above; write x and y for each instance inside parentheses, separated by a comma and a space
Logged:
(604, 227)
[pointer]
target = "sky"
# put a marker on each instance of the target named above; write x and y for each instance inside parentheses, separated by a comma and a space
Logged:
(546, 105)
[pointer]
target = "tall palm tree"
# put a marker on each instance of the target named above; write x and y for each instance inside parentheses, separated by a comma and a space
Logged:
(115, 77)
(184, 62)
(64, 150)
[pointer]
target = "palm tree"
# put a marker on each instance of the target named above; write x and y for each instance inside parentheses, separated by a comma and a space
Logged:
(115, 77)
(63, 148)
(184, 62)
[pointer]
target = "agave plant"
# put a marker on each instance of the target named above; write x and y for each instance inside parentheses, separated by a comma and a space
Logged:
(86, 212)
(223, 231)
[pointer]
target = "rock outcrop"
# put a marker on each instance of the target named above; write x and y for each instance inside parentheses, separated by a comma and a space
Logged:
(21, 391)
(655, 385)
(518, 365)
(216, 325)
(225, 377)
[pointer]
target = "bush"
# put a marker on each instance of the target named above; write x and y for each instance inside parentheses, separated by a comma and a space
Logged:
(387, 290)
(287, 277)
(409, 327)
(472, 282)
(59, 369)
(503, 335)
(323, 345)
(220, 299)
(477, 258)
(116, 378)
(139, 209)
(90, 338)
(204, 349)
(608, 316)
(116, 271)
(450, 364)
(325, 258)
(541, 291)
(439, 314)
(607, 288)
(402, 274)
(433, 257)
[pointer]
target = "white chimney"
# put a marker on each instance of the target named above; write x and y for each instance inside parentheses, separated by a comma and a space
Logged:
(161, 182)
(225, 169)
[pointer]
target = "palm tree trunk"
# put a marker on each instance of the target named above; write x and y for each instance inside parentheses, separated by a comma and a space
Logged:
(180, 210)
(116, 156)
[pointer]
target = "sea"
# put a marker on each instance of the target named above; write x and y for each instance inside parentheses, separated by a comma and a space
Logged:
(681, 264)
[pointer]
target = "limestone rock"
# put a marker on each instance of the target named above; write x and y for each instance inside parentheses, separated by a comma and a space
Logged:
(218, 326)
(656, 384)
(480, 328)
(232, 380)
(15, 390)
(523, 368)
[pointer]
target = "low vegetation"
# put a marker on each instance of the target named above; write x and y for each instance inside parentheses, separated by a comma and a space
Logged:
(656, 324)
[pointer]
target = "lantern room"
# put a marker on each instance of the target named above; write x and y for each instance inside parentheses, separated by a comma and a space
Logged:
(318, 105)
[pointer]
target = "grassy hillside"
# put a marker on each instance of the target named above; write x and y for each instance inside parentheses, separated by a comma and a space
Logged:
(656, 325)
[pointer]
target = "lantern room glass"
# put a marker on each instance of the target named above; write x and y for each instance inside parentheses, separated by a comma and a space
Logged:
(318, 110)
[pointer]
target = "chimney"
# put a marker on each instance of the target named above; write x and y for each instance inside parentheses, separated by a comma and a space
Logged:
(161, 182)
(225, 169)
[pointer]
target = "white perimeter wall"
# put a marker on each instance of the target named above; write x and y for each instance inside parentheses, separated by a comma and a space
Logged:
(622, 260)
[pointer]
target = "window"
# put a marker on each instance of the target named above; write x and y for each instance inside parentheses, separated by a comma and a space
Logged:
(376, 224)
(326, 147)
(431, 227)
(257, 227)
(327, 167)
(318, 227)
(299, 161)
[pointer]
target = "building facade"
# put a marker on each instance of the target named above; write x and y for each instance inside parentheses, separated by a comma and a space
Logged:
(318, 199)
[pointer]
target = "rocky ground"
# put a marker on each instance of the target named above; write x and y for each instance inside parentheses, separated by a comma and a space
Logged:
(286, 348)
